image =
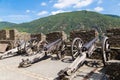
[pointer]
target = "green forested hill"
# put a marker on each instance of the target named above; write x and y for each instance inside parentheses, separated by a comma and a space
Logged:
(69, 21)
(6, 24)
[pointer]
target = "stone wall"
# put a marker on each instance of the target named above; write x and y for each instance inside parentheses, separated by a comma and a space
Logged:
(114, 37)
(53, 36)
(85, 35)
(9, 34)
(23, 36)
(39, 36)
(13, 35)
(2, 34)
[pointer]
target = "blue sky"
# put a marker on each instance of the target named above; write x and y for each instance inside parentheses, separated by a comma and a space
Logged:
(19, 11)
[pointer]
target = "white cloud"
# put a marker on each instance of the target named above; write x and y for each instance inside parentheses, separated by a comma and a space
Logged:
(27, 11)
(100, 1)
(83, 3)
(98, 9)
(42, 13)
(64, 3)
(68, 3)
(30, 11)
(43, 4)
(56, 12)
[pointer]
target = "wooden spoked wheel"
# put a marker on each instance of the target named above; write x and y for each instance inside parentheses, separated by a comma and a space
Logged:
(76, 47)
(105, 50)
(94, 63)
(32, 48)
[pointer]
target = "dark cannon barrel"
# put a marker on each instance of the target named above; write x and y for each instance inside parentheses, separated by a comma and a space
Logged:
(51, 44)
(89, 44)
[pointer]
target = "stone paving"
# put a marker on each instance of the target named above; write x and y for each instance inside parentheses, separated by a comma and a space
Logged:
(43, 70)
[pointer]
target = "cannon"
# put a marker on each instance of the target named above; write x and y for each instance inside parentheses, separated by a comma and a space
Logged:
(25, 47)
(12, 42)
(47, 48)
(13, 51)
(80, 52)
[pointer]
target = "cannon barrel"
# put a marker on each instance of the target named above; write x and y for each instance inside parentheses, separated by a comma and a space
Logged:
(89, 44)
(51, 45)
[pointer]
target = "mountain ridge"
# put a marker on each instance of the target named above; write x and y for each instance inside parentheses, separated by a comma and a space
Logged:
(4, 24)
(69, 21)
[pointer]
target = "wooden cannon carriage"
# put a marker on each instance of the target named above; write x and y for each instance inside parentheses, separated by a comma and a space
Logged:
(54, 44)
